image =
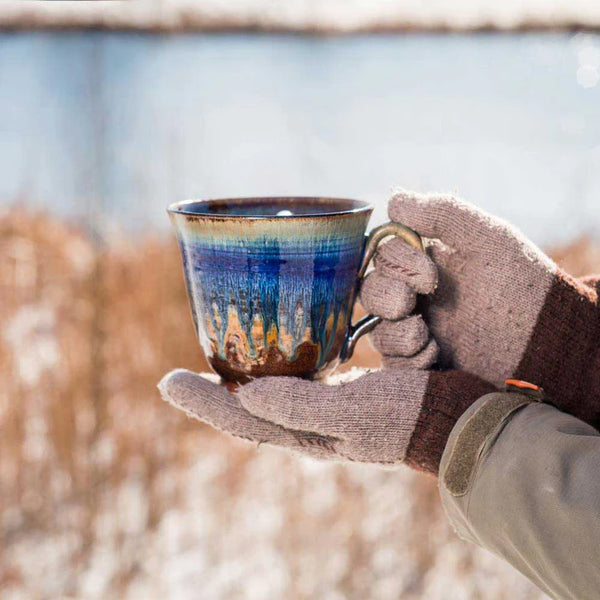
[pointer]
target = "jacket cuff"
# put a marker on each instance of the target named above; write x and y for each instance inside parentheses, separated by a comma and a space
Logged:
(470, 435)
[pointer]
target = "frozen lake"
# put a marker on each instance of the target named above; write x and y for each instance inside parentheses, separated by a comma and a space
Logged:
(110, 127)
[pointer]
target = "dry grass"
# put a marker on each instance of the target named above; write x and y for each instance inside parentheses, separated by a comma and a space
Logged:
(105, 492)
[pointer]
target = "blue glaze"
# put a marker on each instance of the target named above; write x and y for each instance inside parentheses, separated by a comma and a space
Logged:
(263, 281)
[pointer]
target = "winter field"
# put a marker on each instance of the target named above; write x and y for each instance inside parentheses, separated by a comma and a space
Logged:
(105, 492)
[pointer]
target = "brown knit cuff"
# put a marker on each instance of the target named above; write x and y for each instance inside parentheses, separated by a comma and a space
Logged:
(592, 281)
(563, 354)
(448, 395)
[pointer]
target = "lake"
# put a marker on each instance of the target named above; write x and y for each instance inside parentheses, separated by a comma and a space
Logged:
(107, 128)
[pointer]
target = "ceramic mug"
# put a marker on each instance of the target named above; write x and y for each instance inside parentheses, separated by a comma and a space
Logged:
(272, 281)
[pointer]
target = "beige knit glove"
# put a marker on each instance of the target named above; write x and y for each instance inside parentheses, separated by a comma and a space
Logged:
(382, 417)
(401, 415)
(502, 309)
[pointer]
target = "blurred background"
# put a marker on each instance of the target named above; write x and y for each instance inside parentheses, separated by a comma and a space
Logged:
(110, 111)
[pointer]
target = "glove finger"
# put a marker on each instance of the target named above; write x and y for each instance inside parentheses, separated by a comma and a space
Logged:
(213, 404)
(400, 338)
(441, 254)
(388, 298)
(443, 217)
(398, 260)
(373, 417)
(295, 403)
(421, 360)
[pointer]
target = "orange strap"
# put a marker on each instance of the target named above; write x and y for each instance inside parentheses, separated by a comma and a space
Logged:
(525, 385)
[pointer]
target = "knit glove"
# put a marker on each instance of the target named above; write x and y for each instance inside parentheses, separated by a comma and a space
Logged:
(382, 417)
(502, 308)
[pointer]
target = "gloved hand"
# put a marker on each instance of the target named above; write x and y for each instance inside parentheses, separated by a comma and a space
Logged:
(402, 415)
(502, 308)
(382, 417)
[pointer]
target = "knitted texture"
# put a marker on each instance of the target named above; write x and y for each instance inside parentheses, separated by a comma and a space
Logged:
(421, 275)
(400, 338)
(447, 397)
(391, 299)
(501, 307)
(421, 360)
(563, 353)
(203, 399)
(382, 417)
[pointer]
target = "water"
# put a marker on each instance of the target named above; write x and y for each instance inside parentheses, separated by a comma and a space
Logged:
(108, 128)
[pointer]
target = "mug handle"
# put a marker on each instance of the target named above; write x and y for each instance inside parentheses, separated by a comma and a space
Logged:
(368, 322)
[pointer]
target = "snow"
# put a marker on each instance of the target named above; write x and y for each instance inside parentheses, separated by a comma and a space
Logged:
(305, 15)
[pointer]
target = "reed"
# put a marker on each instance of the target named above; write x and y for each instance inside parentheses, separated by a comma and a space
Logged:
(105, 492)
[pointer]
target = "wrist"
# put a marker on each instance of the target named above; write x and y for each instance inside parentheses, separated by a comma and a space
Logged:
(563, 355)
(448, 395)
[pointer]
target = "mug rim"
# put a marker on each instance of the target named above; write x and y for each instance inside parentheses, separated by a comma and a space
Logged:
(354, 207)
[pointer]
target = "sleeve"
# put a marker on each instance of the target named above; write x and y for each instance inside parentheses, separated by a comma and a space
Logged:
(522, 479)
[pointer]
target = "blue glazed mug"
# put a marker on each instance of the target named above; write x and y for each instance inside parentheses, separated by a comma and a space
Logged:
(272, 281)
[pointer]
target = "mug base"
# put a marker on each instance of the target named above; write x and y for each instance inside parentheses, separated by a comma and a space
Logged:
(234, 377)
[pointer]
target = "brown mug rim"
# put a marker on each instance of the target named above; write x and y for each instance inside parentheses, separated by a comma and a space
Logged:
(354, 207)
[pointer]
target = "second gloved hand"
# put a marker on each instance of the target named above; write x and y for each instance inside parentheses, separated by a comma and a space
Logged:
(501, 308)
